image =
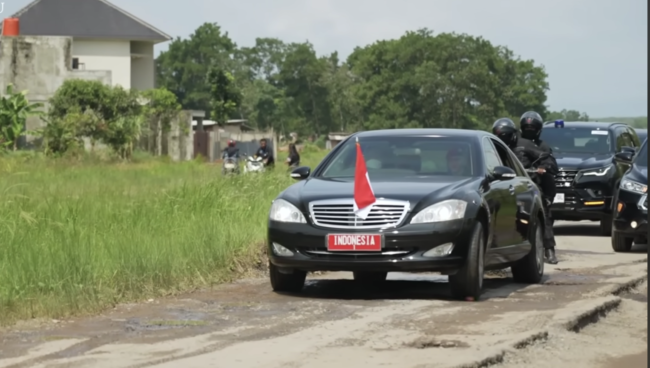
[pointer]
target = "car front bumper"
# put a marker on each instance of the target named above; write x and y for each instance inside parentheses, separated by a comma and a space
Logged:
(584, 200)
(403, 249)
(632, 219)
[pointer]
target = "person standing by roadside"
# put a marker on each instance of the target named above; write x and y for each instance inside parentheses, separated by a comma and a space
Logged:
(294, 157)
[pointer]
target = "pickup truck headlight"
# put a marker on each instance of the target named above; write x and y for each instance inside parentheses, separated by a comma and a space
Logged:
(602, 171)
(452, 209)
(283, 211)
(633, 186)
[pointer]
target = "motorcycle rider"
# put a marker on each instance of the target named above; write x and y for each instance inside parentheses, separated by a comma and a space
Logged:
(231, 151)
(530, 125)
(265, 153)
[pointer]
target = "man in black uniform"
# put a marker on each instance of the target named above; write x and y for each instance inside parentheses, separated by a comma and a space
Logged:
(530, 125)
(265, 153)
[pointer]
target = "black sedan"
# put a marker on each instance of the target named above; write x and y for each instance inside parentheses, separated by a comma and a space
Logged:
(447, 200)
(630, 221)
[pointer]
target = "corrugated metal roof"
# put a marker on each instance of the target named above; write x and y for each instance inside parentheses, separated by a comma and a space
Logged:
(84, 19)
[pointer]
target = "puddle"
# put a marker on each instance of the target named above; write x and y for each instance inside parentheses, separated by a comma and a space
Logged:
(573, 279)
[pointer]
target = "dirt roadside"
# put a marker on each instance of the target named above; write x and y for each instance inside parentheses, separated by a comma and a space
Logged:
(409, 322)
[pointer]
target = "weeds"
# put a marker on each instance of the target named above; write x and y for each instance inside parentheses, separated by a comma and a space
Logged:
(78, 237)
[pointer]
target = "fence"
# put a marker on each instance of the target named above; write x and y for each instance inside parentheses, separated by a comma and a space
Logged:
(247, 142)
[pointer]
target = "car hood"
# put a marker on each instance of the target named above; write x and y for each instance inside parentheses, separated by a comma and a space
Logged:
(411, 189)
(581, 161)
(638, 174)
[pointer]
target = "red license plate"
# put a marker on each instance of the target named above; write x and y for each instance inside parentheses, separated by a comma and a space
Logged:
(355, 242)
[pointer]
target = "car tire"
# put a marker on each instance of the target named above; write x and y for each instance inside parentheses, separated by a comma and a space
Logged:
(606, 226)
(467, 282)
(530, 269)
(369, 277)
(621, 243)
(290, 283)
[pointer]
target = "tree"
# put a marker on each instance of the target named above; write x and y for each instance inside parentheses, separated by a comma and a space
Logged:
(225, 97)
(183, 68)
(421, 79)
(568, 115)
(14, 111)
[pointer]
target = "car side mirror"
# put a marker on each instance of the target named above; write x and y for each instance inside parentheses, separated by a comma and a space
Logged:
(625, 156)
(301, 173)
(503, 173)
(628, 149)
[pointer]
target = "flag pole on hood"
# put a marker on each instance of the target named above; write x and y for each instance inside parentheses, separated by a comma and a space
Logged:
(364, 197)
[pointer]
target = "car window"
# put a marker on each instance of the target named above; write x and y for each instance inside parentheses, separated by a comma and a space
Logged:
(578, 140)
(623, 139)
(508, 158)
(492, 159)
(641, 158)
(405, 156)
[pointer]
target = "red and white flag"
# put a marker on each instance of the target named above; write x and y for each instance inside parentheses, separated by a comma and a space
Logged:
(364, 197)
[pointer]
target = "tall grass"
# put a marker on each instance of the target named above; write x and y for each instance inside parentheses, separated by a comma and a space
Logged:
(79, 237)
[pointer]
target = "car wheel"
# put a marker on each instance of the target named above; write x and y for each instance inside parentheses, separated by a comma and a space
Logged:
(283, 282)
(467, 283)
(530, 269)
(606, 226)
(369, 277)
(621, 243)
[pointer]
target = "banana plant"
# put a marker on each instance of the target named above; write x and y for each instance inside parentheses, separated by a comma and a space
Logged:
(15, 108)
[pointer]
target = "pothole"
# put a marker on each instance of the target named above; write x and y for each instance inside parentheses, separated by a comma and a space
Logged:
(427, 342)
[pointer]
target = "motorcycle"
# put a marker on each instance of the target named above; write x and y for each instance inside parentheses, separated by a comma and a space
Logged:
(230, 166)
(254, 164)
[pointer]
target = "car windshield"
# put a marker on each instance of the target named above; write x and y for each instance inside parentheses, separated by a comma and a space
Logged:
(577, 140)
(405, 156)
(642, 156)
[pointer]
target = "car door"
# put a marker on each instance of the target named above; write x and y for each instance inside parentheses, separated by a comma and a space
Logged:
(524, 195)
(501, 200)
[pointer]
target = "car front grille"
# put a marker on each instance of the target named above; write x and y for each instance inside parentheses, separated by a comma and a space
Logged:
(339, 214)
(565, 178)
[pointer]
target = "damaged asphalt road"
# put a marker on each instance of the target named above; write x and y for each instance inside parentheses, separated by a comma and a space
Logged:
(407, 323)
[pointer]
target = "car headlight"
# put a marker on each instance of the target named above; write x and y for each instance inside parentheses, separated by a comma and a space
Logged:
(597, 172)
(633, 186)
(283, 211)
(452, 209)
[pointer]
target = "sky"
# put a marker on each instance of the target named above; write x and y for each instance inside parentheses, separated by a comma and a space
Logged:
(595, 51)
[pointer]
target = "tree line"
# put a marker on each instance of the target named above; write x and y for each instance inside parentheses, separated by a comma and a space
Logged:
(421, 79)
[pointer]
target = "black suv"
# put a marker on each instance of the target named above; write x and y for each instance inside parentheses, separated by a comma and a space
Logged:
(631, 203)
(590, 169)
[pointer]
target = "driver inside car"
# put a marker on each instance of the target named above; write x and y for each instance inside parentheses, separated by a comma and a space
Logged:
(457, 161)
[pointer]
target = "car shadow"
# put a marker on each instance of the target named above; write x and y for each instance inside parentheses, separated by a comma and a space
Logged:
(578, 229)
(401, 286)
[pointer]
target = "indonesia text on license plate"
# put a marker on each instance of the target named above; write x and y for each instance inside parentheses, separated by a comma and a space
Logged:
(354, 242)
(559, 198)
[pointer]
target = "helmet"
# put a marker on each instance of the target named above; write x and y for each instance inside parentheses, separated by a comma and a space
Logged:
(506, 130)
(530, 125)
(231, 143)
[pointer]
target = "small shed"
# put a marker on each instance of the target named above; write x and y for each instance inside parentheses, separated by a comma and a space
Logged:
(335, 138)
(237, 126)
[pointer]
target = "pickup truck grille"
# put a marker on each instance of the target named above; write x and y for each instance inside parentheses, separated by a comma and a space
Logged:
(565, 178)
(339, 214)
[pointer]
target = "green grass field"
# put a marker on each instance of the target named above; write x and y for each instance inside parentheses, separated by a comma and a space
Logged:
(78, 237)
